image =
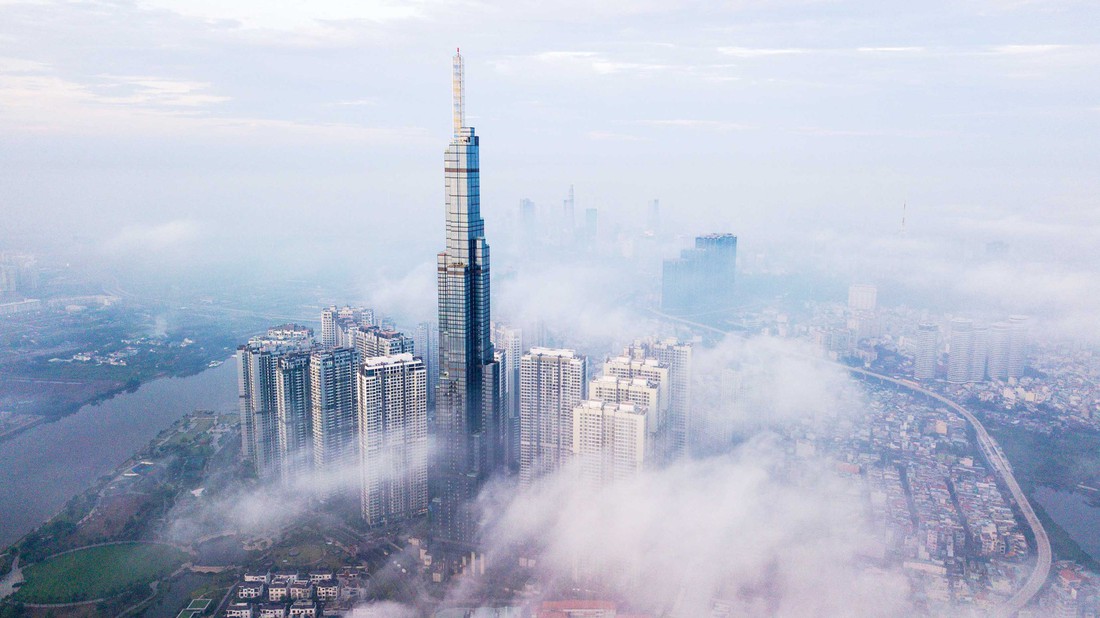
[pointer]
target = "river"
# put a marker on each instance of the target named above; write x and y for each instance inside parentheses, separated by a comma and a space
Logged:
(41, 468)
(1075, 515)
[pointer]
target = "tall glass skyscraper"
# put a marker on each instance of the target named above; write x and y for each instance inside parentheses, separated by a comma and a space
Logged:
(468, 405)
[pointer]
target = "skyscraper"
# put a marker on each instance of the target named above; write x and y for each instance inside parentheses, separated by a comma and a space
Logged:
(339, 323)
(1000, 340)
(676, 355)
(609, 441)
(375, 341)
(425, 344)
(393, 438)
(961, 341)
(292, 403)
(256, 382)
(924, 362)
(333, 413)
(510, 341)
(1017, 345)
(468, 416)
(979, 352)
(701, 279)
(552, 383)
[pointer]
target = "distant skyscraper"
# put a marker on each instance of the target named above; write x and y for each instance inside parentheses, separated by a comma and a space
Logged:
(426, 344)
(552, 383)
(961, 342)
(510, 341)
(293, 408)
(701, 279)
(653, 217)
(468, 412)
(568, 218)
(924, 363)
(1000, 341)
(1017, 348)
(651, 369)
(862, 297)
(333, 414)
(393, 438)
(528, 221)
(609, 441)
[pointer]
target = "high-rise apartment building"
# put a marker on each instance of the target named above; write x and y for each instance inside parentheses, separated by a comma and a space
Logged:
(551, 384)
(425, 345)
(1000, 340)
(338, 324)
(651, 369)
(510, 341)
(293, 408)
(927, 350)
(333, 413)
(701, 279)
(677, 356)
(961, 342)
(1017, 345)
(374, 341)
(979, 352)
(609, 441)
(468, 416)
(256, 390)
(393, 438)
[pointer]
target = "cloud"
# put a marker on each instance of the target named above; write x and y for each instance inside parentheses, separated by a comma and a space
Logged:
(742, 529)
(691, 123)
(764, 52)
(169, 236)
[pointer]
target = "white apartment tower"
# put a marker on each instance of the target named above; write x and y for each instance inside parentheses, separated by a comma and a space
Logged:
(609, 441)
(961, 342)
(552, 384)
(393, 438)
(924, 362)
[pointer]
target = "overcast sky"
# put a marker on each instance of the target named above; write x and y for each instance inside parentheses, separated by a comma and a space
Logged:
(150, 123)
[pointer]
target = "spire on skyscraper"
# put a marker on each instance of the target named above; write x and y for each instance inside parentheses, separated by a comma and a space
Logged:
(458, 93)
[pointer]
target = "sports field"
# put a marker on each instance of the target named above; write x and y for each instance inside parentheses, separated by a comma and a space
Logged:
(97, 572)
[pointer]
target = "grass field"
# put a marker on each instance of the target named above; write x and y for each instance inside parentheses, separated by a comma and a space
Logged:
(97, 572)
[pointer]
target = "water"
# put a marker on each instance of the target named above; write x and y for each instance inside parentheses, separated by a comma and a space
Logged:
(41, 468)
(1075, 515)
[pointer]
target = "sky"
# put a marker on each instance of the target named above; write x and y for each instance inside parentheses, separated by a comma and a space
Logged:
(161, 130)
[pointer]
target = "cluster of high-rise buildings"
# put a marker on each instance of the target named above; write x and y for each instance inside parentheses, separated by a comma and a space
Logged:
(354, 408)
(975, 351)
(348, 411)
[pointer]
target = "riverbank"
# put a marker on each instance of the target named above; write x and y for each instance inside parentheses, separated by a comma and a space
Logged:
(46, 465)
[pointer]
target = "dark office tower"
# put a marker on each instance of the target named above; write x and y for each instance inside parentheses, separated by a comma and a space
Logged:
(333, 414)
(468, 411)
(292, 404)
(701, 280)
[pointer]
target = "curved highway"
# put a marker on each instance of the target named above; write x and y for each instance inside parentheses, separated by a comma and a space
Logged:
(997, 460)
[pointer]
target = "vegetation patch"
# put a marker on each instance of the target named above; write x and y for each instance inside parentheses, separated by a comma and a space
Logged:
(97, 572)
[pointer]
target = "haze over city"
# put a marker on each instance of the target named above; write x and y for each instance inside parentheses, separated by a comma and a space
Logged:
(791, 309)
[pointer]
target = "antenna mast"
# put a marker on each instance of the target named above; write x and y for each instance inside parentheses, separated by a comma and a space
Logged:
(458, 92)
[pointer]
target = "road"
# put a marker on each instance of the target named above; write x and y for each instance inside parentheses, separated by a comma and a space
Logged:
(997, 460)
